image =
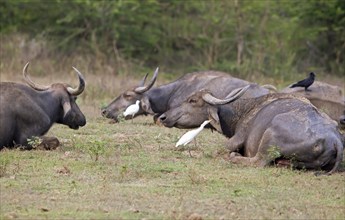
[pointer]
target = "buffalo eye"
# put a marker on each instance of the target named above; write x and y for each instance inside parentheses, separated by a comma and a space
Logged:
(192, 100)
(127, 95)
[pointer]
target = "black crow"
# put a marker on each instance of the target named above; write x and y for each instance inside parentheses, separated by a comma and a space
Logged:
(305, 83)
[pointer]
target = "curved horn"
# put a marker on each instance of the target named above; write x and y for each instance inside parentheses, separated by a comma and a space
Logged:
(142, 82)
(143, 89)
(30, 82)
(81, 87)
(237, 93)
(270, 87)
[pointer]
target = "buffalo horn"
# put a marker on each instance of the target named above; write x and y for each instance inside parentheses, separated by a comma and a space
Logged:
(30, 82)
(142, 82)
(143, 89)
(80, 88)
(270, 87)
(237, 93)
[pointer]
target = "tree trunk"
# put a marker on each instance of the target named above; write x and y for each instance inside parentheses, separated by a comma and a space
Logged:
(239, 33)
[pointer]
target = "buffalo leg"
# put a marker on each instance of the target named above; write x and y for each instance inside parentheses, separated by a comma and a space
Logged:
(257, 161)
(29, 128)
(261, 158)
(48, 143)
(43, 143)
(234, 144)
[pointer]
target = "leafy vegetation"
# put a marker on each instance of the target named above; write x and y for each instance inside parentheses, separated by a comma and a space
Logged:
(34, 142)
(248, 38)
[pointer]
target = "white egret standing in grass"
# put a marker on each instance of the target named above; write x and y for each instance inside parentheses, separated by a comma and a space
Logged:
(190, 135)
(132, 109)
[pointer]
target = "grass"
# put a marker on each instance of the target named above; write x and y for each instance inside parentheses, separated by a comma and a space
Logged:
(133, 171)
(140, 174)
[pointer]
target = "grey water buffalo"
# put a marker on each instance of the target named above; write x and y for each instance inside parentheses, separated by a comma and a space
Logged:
(270, 128)
(155, 101)
(328, 98)
(30, 111)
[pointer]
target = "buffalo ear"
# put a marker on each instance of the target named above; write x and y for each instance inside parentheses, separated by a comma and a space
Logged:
(214, 119)
(66, 105)
(146, 105)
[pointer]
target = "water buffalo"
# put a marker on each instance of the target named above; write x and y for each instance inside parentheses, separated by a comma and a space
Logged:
(326, 97)
(269, 128)
(30, 111)
(156, 101)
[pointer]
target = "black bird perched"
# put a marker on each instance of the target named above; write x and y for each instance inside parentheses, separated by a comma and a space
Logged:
(305, 83)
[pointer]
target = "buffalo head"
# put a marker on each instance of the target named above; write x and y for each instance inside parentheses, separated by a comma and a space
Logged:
(129, 97)
(197, 108)
(65, 96)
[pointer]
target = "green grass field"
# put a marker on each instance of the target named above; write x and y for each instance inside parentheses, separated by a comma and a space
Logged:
(132, 170)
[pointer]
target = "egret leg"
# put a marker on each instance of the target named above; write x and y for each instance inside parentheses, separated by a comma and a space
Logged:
(190, 154)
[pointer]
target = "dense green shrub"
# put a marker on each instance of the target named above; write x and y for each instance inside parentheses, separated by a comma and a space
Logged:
(243, 37)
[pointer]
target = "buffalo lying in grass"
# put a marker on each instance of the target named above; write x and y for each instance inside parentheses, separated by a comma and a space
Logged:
(156, 101)
(273, 127)
(328, 98)
(29, 111)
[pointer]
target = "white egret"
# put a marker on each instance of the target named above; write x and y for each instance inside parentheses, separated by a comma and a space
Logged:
(132, 109)
(190, 135)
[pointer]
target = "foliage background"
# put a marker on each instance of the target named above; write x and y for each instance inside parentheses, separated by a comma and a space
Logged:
(247, 38)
